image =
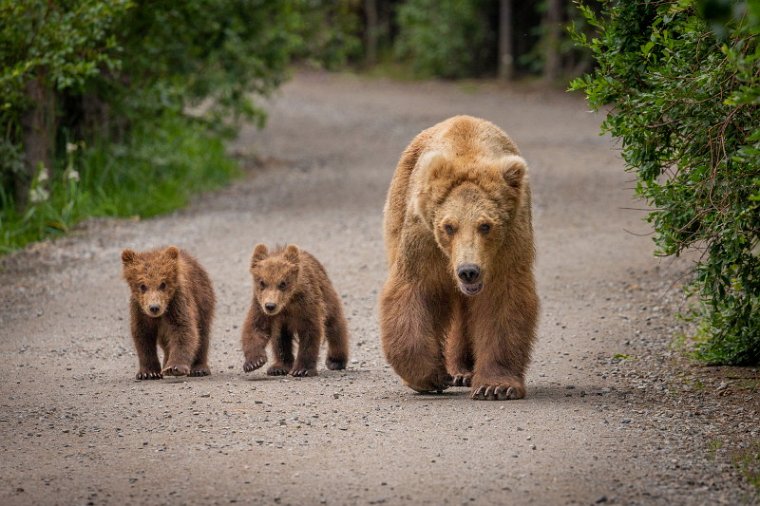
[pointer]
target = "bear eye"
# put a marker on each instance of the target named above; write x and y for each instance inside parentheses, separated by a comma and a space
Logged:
(484, 228)
(282, 285)
(162, 286)
(449, 229)
(143, 288)
(262, 285)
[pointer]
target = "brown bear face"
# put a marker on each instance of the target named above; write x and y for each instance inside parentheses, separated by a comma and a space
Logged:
(152, 277)
(275, 277)
(470, 208)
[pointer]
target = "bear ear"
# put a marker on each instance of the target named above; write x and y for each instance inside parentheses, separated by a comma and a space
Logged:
(513, 169)
(260, 252)
(172, 252)
(431, 167)
(292, 254)
(128, 257)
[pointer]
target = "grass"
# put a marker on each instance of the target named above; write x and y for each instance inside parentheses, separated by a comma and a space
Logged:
(156, 171)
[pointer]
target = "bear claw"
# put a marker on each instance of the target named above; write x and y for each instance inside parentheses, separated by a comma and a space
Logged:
(252, 365)
(461, 380)
(200, 371)
(278, 370)
(148, 375)
(302, 373)
(176, 370)
(494, 393)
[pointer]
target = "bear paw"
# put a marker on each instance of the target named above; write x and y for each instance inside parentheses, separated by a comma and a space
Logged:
(497, 392)
(176, 370)
(278, 370)
(252, 365)
(461, 379)
(148, 375)
(302, 372)
(335, 364)
(200, 370)
(436, 383)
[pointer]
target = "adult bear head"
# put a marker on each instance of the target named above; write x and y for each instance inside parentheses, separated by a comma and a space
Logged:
(474, 207)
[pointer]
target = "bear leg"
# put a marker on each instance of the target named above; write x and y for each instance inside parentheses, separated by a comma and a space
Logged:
(411, 331)
(254, 342)
(502, 345)
(144, 335)
(309, 339)
(459, 357)
(282, 349)
(182, 344)
(336, 334)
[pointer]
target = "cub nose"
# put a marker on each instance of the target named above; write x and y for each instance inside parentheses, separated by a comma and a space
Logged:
(154, 308)
(270, 306)
(469, 273)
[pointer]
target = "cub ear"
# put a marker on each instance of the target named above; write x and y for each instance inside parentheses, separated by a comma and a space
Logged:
(260, 252)
(514, 169)
(128, 257)
(292, 254)
(172, 252)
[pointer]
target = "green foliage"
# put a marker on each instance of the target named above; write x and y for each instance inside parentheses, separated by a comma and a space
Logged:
(685, 106)
(444, 38)
(161, 166)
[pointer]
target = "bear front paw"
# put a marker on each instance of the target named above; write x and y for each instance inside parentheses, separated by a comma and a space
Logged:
(435, 383)
(176, 370)
(461, 379)
(278, 370)
(200, 370)
(503, 391)
(302, 372)
(148, 375)
(252, 365)
(335, 364)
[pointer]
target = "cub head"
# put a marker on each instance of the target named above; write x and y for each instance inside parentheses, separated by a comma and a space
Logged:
(152, 276)
(275, 277)
(470, 211)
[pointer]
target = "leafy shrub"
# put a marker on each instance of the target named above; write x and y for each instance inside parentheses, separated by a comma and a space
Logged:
(445, 38)
(685, 107)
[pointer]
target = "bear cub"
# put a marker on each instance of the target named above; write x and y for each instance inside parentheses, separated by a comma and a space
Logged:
(172, 306)
(292, 299)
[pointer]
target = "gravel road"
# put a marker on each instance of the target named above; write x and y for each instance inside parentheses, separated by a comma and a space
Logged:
(614, 413)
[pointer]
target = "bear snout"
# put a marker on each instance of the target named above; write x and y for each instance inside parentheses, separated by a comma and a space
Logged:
(270, 307)
(154, 309)
(468, 273)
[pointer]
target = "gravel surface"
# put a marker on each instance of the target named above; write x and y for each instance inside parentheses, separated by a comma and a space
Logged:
(614, 413)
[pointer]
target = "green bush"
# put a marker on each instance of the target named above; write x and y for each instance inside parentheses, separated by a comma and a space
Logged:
(445, 38)
(684, 103)
(157, 170)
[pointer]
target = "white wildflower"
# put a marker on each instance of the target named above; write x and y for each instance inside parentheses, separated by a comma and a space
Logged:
(72, 175)
(38, 194)
(43, 175)
(71, 147)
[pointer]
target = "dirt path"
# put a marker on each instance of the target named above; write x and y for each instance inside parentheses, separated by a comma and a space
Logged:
(597, 426)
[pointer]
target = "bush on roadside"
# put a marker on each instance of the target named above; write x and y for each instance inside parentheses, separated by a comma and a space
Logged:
(684, 103)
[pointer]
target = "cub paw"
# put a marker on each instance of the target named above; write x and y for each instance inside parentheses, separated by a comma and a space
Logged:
(278, 370)
(176, 370)
(201, 370)
(502, 391)
(148, 375)
(335, 364)
(437, 382)
(302, 372)
(461, 379)
(252, 365)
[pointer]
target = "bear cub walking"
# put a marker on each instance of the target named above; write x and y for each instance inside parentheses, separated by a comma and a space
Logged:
(292, 298)
(172, 306)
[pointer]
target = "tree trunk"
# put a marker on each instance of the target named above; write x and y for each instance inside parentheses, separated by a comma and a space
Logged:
(38, 125)
(552, 58)
(371, 33)
(506, 50)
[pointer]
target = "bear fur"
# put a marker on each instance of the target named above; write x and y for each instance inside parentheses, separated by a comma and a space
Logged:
(459, 306)
(292, 299)
(172, 305)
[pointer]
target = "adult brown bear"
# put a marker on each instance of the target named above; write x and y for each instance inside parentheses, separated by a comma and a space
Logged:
(460, 306)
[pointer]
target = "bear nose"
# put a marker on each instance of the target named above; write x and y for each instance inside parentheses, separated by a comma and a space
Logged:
(154, 308)
(270, 306)
(469, 273)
